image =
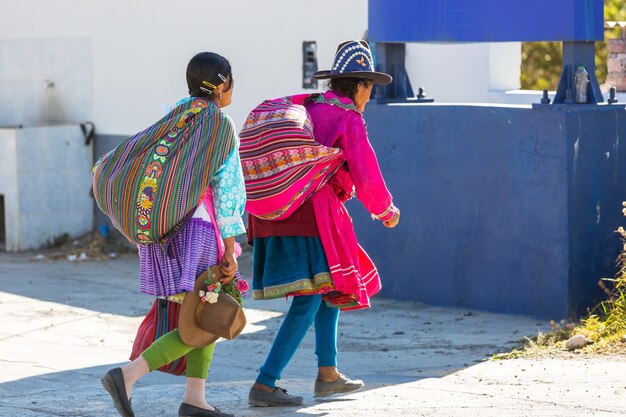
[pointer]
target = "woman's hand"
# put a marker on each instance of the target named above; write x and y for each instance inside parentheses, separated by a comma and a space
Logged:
(395, 219)
(229, 261)
(229, 267)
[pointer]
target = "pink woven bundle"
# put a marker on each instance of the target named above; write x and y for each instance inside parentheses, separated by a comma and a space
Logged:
(282, 163)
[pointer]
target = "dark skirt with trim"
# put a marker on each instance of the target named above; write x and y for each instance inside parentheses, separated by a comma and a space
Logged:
(289, 265)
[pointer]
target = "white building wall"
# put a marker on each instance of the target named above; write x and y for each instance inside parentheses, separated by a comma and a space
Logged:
(44, 177)
(140, 49)
(45, 81)
(127, 59)
(461, 73)
(505, 61)
(8, 184)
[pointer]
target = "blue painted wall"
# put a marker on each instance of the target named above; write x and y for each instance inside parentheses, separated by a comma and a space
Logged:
(597, 187)
(503, 209)
(485, 20)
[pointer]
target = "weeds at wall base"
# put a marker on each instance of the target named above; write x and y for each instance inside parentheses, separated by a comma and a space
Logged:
(605, 324)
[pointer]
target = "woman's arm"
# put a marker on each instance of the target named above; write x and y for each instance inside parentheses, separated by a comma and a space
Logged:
(364, 170)
(229, 199)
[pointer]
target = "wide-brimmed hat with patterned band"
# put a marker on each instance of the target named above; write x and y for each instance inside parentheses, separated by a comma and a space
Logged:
(353, 59)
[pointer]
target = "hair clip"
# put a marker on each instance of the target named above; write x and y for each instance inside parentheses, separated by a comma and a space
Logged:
(208, 84)
(221, 77)
(206, 90)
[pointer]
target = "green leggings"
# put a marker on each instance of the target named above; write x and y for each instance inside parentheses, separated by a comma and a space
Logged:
(170, 347)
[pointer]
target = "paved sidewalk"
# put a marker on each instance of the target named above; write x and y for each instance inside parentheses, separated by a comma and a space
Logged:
(65, 323)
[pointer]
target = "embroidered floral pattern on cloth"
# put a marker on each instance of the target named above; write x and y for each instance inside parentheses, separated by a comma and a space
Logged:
(152, 181)
(149, 184)
(320, 284)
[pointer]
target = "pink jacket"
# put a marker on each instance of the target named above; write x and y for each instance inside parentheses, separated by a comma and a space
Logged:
(354, 274)
(339, 127)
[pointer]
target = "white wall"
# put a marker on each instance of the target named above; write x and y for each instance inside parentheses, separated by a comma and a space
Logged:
(44, 177)
(128, 58)
(8, 184)
(140, 48)
(464, 72)
(45, 81)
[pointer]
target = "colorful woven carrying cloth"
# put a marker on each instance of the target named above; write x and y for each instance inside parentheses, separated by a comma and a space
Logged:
(281, 157)
(152, 181)
(161, 319)
(282, 163)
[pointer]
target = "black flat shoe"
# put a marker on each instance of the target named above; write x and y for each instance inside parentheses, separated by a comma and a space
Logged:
(113, 382)
(188, 410)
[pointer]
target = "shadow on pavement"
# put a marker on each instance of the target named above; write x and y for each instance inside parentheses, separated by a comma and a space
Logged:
(391, 344)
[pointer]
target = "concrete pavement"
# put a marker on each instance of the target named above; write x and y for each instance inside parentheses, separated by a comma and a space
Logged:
(63, 324)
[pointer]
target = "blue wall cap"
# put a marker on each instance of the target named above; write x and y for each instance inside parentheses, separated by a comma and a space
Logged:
(452, 21)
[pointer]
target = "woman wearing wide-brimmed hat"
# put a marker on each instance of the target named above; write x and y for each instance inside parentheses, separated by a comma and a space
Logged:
(313, 254)
(206, 237)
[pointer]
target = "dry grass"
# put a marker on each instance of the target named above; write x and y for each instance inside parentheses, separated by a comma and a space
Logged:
(606, 341)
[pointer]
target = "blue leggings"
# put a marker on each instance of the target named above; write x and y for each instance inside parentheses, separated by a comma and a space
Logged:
(304, 310)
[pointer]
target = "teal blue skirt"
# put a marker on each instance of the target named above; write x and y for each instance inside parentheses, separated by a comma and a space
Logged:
(289, 265)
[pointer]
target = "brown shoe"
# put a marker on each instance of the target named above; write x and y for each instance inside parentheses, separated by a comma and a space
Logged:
(342, 385)
(278, 397)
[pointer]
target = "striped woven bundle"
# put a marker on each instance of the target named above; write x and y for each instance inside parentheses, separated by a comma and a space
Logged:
(150, 182)
(282, 163)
